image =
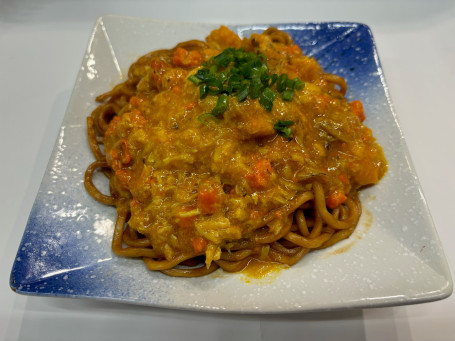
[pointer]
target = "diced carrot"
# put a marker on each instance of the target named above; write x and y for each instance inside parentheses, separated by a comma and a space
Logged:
(186, 222)
(112, 128)
(190, 106)
(344, 178)
(255, 214)
(207, 200)
(185, 58)
(135, 101)
(177, 90)
(260, 176)
(134, 118)
(159, 67)
(293, 49)
(335, 199)
(199, 244)
(357, 108)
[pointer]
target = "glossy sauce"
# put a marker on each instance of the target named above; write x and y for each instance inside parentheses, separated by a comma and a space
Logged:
(259, 271)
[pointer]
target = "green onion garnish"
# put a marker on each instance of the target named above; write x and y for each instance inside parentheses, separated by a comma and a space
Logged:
(255, 88)
(266, 99)
(242, 74)
(273, 79)
(243, 93)
(203, 91)
(194, 79)
(224, 58)
(282, 128)
(221, 105)
(281, 82)
(287, 95)
(299, 84)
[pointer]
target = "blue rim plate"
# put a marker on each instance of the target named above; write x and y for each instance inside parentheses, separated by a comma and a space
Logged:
(393, 258)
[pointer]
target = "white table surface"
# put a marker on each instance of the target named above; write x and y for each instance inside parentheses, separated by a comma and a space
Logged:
(41, 47)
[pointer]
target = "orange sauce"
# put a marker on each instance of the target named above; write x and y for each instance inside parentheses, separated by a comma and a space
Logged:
(259, 271)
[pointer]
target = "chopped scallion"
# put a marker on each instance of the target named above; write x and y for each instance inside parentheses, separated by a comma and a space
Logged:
(224, 58)
(221, 105)
(255, 88)
(243, 74)
(282, 128)
(281, 82)
(273, 79)
(266, 99)
(290, 84)
(203, 91)
(287, 95)
(205, 76)
(243, 93)
(299, 84)
(194, 79)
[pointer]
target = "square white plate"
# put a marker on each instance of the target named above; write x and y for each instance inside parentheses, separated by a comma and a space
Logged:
(393, 258)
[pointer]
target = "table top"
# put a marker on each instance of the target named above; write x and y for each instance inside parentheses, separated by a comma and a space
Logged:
(42, 45)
